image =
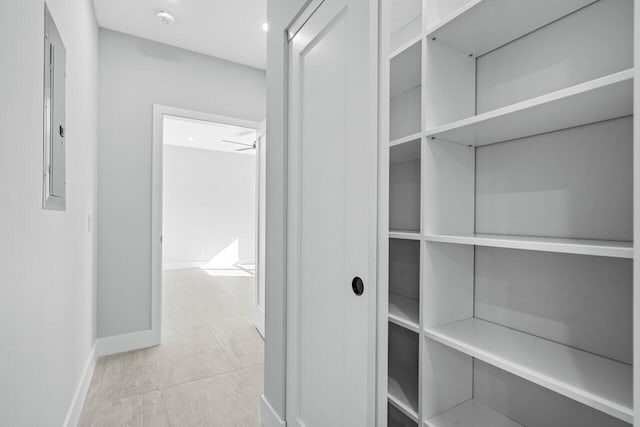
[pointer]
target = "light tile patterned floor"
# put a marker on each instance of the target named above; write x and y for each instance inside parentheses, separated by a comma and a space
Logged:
(207, 372)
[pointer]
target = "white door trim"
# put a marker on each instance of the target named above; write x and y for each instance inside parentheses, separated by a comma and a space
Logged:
(305, 13)
(382, 344)
(159, 111)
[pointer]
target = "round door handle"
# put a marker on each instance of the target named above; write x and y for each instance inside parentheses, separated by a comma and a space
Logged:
(357, 285)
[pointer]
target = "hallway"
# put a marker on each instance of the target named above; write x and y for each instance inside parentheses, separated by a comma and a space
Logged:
(208, 370)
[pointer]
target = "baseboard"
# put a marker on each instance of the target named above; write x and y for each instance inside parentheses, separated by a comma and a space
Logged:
(269, 416)
(182, 265)
(75, 410)
(127, 342)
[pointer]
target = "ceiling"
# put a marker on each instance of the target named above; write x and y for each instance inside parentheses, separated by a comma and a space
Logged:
(191, 133)
(228, 29)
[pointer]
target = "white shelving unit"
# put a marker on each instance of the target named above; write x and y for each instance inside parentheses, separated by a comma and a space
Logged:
(510, 243)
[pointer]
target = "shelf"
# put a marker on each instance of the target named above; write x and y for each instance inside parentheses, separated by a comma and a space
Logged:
(470, 413)
(403, 312)
(601, 99)
(402, 375)
(604, 248)
(405, 139)
(483, 25)
(404, 235)
(595, 381)
(405, 46)
(405, 152)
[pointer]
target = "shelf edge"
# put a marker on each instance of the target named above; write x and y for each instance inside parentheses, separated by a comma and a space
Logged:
(528, 245)
(406, 45)
(405, 235)
(404, 408)
(403, 323)
(452, 16)
(409, 138)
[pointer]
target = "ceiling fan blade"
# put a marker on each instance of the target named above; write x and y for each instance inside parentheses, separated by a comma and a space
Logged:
(237, 143)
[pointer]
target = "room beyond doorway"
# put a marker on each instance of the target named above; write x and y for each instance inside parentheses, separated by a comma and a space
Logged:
(206, 198)
(209, 187)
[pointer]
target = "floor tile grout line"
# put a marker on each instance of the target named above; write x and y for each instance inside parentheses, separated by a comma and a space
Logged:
(226, 351)
(142, 393)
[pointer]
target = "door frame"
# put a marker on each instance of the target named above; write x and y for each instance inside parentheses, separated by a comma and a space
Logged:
(159, 111)
(377, 355)
(261, 193)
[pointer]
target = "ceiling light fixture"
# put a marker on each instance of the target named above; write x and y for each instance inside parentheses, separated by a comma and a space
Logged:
(165, 17)
(265, 27)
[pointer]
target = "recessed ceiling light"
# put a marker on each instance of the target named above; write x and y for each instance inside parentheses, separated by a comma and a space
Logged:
(165, 17)
(265, 27)
(190, 139)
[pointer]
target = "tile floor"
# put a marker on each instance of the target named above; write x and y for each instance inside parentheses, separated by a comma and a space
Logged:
(207, 372)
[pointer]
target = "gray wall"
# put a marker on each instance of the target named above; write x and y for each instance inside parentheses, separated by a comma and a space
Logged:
(47, 258)
(135, 74)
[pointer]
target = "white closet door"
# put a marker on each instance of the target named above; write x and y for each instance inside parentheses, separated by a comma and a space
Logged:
(331, 218)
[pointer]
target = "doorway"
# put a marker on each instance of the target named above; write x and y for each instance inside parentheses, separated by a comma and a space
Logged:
(211, 204)
(205, 347)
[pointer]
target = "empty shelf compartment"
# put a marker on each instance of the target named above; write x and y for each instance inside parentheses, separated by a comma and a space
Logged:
(595, 381)
(471, 413)
(404, 311)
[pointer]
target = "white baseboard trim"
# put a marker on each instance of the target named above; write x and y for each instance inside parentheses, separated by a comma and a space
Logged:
(269, 416)
(75, 410)
(183, 265)
(127, 342)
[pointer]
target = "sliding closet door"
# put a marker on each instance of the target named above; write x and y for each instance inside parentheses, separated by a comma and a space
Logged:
(331, 218)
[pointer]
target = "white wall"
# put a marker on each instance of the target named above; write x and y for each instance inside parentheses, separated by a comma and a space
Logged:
(47, 258)
(208, 206)
(135, 74)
